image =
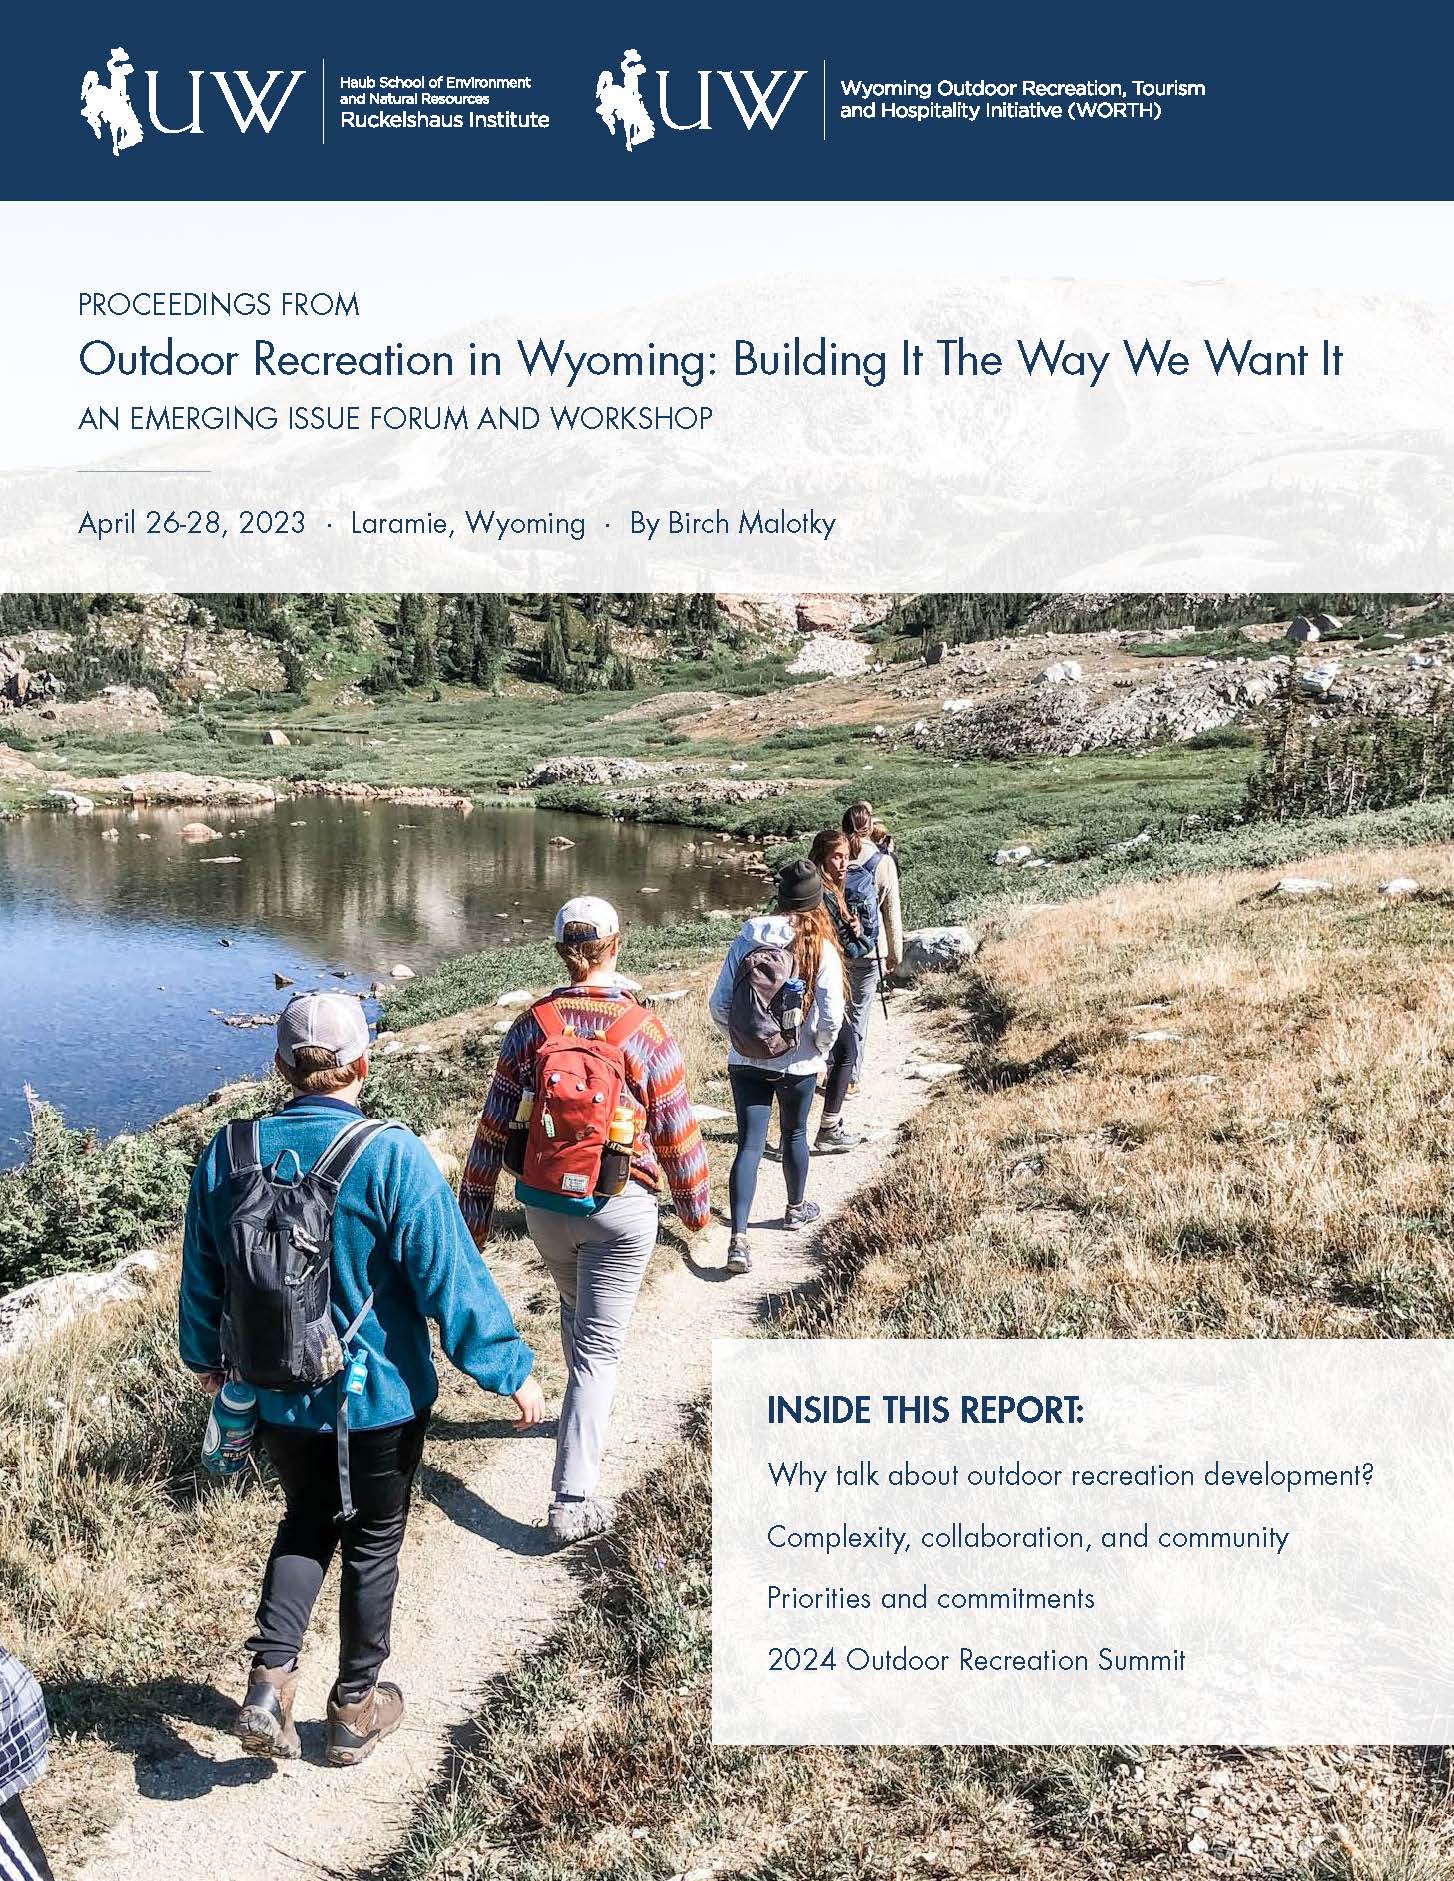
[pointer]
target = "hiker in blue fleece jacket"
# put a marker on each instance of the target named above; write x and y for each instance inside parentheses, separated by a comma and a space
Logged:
(397, 1234)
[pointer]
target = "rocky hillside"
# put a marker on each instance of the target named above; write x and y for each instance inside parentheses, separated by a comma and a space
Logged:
(963, 675)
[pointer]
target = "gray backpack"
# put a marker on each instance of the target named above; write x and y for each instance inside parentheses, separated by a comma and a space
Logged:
(760, 1020)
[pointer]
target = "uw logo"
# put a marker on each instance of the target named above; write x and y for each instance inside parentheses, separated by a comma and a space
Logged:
(620, 103)
(111, 104)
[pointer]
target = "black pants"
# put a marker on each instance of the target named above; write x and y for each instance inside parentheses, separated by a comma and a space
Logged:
(21, 1857)
(381, 1467)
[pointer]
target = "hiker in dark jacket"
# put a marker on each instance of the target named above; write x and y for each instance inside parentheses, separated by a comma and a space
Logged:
(798, 923)
(401, 1256)
(24, 1747)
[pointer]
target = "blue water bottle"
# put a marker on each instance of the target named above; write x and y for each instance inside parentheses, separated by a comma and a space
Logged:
(230, 1429)
(792, 1009)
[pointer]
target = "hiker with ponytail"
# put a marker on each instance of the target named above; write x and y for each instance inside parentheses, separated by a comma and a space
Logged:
(779, 999)
(848, 896)
(871, 885)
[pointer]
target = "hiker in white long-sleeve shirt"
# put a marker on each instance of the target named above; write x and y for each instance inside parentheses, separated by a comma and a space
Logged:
(779, 999)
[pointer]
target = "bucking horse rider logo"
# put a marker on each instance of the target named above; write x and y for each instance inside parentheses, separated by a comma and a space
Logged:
(109, 104)
(623, 104)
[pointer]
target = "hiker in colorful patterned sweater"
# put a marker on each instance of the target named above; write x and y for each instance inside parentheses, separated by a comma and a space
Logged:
(318, 1245)
(588, 1110)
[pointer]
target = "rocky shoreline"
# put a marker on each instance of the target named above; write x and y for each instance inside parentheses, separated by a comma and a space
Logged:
(168, 790)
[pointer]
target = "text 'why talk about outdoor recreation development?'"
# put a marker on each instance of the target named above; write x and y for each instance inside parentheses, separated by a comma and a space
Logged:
(1091, 1541)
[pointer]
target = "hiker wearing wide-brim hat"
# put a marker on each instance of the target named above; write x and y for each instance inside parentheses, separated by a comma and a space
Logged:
(779, 999)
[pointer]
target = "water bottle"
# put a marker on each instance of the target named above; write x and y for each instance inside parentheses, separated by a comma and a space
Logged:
(792, 1009)
(616, 1156)
(230, 1429)
(519, 1132)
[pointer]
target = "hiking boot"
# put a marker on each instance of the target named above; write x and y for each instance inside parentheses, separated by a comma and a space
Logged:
(265, 1722)
(834, 1140)
(354, 1730)
(578, 1521)
(739, 1255)
(801, 1215)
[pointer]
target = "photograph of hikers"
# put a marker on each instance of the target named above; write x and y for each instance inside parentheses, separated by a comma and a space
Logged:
(429, 1020)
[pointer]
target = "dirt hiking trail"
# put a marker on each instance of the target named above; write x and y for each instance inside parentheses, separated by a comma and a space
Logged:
(479, 1582)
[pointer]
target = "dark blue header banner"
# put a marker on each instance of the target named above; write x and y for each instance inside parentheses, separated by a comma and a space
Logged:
(419, 102)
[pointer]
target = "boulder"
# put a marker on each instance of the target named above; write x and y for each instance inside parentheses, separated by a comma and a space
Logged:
(111, 835)
(400, 972)
(276, 737)
(1317, 681)
(1301, 885)
(522, 996)
(1014, 857)
(198, 833)
(932, 1070)
(1400, 885)
(935, 949)
(71, 801)
(1060, 673)
(561, 842)
(1305, 629)
(36, 1311)
(954, 706)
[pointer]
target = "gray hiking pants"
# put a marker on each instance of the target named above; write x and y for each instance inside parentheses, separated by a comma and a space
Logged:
(597, 1263)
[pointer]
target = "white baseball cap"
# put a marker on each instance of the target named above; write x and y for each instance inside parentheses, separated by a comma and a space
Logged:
(587, 917)
(332, 1021)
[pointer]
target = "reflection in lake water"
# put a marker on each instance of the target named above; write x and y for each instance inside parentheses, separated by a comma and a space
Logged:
(116, 951)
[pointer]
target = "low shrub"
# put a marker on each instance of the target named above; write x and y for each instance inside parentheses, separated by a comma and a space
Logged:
(77, 1203)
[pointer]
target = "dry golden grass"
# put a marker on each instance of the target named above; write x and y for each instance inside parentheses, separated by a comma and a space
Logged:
(127, 1579)
(1276, 1170)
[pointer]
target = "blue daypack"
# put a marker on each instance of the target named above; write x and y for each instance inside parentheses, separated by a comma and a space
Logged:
(860, 892)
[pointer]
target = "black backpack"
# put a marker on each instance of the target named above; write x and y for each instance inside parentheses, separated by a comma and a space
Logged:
(278, 1331)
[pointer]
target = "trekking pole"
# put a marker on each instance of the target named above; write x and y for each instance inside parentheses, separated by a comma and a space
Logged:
(883, 991)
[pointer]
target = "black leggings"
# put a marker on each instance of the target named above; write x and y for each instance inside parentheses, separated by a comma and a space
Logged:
(753, 1092)
(381, 1468)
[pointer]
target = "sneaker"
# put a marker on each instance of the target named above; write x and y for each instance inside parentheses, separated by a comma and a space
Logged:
(739, 1255)
(801, 1215)
(835, 1141)
(578, 1521)
(265, 1722)
(773, 1152)
(354, 1731)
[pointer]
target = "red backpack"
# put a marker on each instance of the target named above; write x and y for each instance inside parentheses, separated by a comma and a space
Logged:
(579, 1081)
